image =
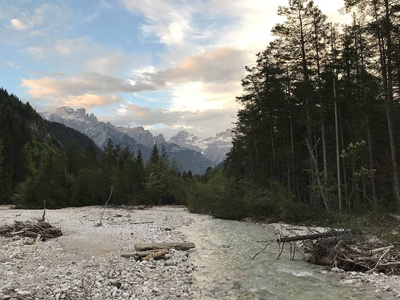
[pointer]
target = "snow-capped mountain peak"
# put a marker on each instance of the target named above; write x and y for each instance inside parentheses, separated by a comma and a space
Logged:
(214, 148)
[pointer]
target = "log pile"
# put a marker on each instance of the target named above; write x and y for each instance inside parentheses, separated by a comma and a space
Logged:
(155, 250)
(354, 253)
(39, 230)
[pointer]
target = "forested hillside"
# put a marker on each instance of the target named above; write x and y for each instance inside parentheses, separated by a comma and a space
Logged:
(320, 111)
(41, 160)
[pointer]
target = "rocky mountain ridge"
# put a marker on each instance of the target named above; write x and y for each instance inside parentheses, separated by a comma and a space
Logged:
(214, 148)
(136, 138)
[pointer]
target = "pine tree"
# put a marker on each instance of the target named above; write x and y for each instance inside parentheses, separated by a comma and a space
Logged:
(155, 155)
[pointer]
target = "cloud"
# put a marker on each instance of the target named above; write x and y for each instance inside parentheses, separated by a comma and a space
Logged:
(169, 21)
(218, 64)
(17, 24)
(202, 123)
(85, 83)
(46, 18)
(65, 48)
(88, 101)
(200, 96)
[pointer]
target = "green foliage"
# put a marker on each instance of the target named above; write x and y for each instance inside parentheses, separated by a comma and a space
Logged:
(392, 238)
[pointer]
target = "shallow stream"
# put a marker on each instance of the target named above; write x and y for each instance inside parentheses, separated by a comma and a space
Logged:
(226, 270)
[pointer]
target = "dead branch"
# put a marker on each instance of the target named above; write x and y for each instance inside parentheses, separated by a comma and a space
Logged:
(158, 246)
(145, 222)
(157, 254)
(314, 236)
(105, 206)
(44, 211)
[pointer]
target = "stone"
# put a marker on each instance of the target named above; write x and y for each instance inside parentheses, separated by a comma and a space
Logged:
(41, 268)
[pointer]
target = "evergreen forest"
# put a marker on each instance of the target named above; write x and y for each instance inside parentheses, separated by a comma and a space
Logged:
(318, 133)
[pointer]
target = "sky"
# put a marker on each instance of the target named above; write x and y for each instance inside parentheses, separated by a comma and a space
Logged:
(166, 65)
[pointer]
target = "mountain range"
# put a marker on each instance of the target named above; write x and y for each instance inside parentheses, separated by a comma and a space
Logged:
(185, 150)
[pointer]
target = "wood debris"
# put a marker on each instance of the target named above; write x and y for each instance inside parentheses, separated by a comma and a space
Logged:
(344, 250)
(155, 246)
(39, 230)
(147, 251)
(355, 253)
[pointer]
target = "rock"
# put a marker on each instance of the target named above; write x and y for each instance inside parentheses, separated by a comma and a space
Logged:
(348, 281)
(337, 270)
(170, 263)
(41, 268)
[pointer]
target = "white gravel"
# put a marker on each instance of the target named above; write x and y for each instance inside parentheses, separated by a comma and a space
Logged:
(86, 262)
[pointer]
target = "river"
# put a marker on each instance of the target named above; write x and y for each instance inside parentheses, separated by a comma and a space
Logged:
(226, 270)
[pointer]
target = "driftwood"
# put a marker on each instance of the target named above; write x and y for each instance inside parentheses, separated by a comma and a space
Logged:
(105, 206)
(146, 255)
(157, 246)
(38, 230)
(138, 254)
(313, 236)
(345, 250)
(156, 250)
(156, 254)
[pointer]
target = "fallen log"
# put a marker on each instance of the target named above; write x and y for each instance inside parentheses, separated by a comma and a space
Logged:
(157, 254)
(314, 236)
(158, 246)
(138, 254)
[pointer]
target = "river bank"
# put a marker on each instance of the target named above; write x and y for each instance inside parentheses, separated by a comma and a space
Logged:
(382, 282)
(86, 262)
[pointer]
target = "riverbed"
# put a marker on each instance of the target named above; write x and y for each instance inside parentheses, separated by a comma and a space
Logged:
(86, 262)
(226, 270)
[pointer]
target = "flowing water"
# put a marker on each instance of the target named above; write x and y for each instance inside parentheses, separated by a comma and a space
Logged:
(226, 270)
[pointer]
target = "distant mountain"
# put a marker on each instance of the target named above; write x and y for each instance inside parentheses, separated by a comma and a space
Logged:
(213, 148)
(99, 132)
(187, 159)
(66, 135)
(187, 140)
(135, 138)
(142, 136)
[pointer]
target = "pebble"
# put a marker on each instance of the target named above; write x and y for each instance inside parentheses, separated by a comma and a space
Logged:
(89, 272)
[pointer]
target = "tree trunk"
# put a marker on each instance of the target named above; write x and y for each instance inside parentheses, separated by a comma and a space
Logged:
(389, 106)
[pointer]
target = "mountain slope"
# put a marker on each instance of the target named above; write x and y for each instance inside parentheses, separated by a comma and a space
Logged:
(24, 136)
(213, 148)
(142, 136)
(100, 132)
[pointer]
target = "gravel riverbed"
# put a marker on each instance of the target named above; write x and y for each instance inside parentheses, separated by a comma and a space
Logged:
(86, 262)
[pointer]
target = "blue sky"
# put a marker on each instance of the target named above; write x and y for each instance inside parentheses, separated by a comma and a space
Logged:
(166, 65)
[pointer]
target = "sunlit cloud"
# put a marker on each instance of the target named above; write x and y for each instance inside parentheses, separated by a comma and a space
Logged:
(201, 123)
(168, 21)
(84, 83)
(17, 24)
(88, 101)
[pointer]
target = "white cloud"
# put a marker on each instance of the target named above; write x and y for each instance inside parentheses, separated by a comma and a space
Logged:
(84, 83)
(200, 96)
(169, 21)
(202, 123)
(17, 24)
